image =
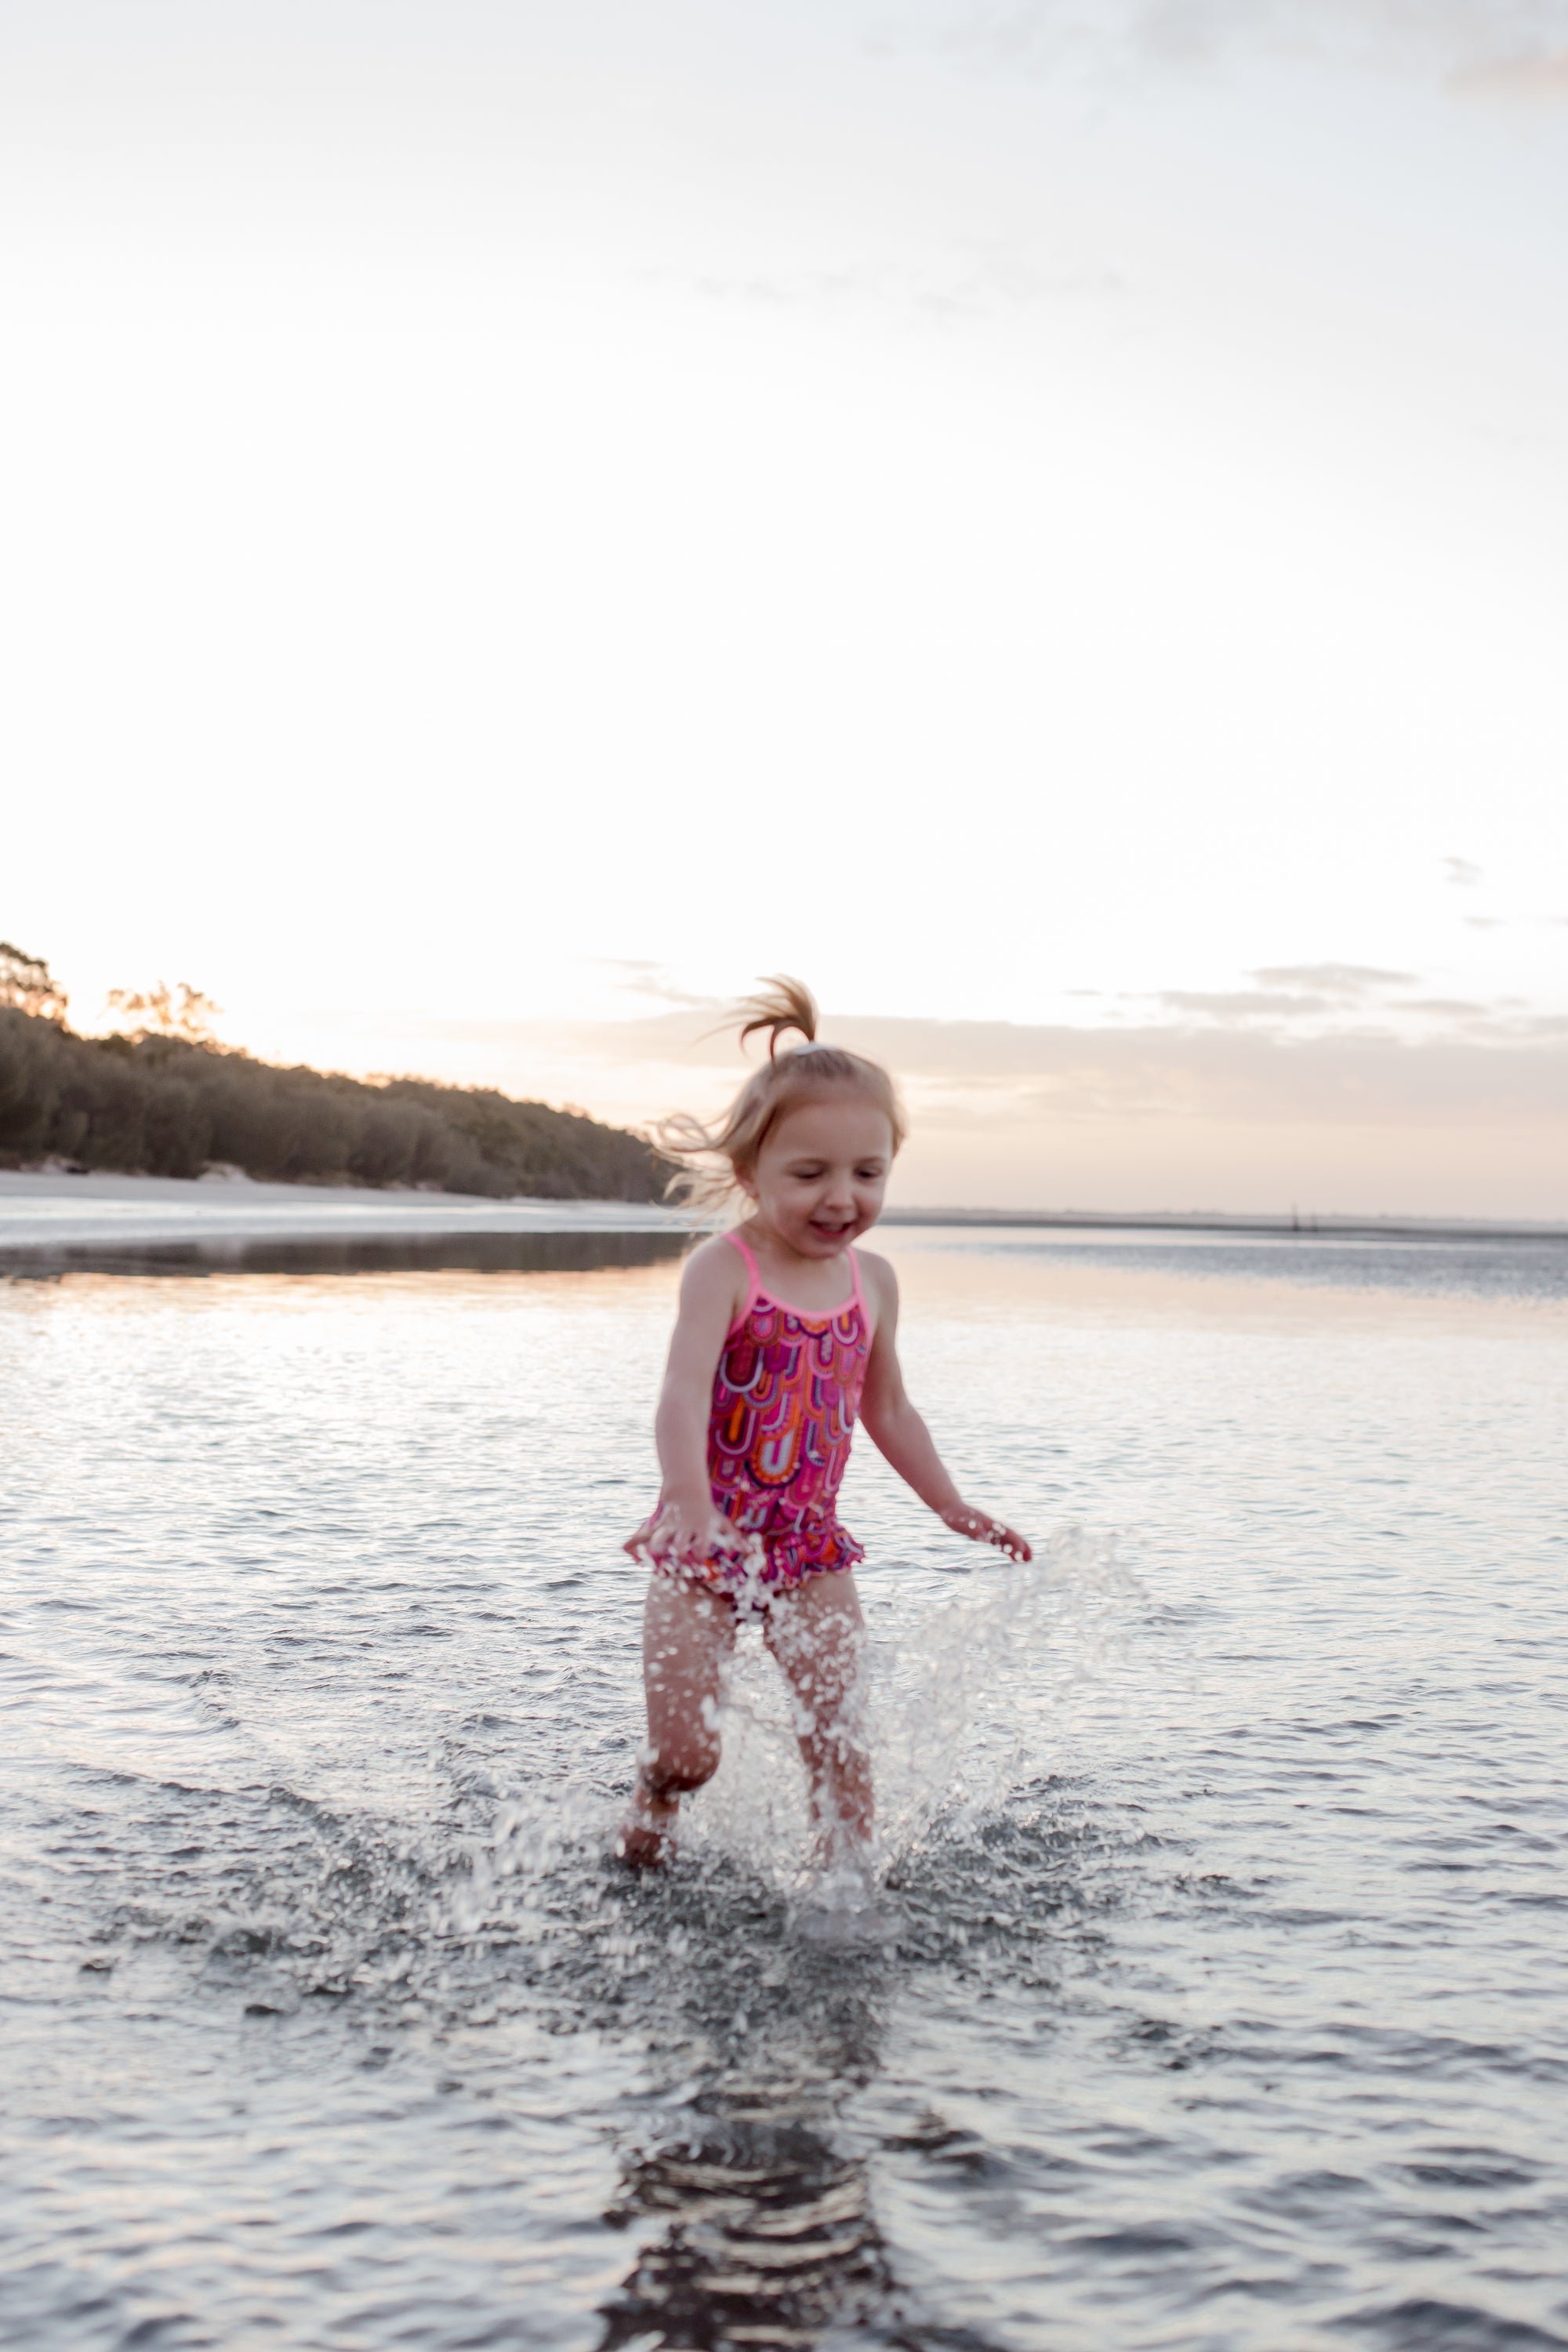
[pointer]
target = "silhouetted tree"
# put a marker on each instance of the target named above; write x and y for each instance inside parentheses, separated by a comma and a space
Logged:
(161, 1104)
(26, 983)
(178, 1012)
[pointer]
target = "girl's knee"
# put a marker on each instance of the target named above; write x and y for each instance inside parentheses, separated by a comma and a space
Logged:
(677, 1772)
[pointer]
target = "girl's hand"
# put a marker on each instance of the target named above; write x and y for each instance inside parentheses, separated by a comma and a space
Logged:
(683, 1535)
(980, 1528)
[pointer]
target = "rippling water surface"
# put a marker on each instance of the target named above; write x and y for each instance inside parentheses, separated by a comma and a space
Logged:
(1220, 2000)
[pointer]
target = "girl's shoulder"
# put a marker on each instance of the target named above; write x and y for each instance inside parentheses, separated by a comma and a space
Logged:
(880, 1282)
(715, 1271)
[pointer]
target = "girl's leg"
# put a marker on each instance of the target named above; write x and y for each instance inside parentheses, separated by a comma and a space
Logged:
(818, 1636)
(688, 1636)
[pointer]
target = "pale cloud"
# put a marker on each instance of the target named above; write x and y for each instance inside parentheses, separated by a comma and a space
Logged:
(1462, 873)
(1483, 47)
(1333, 979)
(642, 976)
(1346, 997)
(1241, 1003)
(1541, 77)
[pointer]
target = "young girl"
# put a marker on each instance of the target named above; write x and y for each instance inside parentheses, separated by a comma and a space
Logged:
(785, 1332)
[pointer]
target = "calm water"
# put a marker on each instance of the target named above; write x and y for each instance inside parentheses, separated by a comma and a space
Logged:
(1222, 1997)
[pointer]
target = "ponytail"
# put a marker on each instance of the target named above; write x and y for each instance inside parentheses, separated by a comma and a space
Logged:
(780, 1006)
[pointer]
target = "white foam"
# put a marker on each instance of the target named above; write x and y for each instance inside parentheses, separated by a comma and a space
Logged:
(967, 1701)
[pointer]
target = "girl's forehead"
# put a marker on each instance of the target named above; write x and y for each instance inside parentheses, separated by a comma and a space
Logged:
(839, 1116)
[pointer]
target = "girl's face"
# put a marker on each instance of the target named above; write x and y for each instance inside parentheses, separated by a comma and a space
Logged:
(822, 1171)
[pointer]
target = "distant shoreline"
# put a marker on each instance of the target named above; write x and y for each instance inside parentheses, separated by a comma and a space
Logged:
(1219, 1220)
(75, 1218)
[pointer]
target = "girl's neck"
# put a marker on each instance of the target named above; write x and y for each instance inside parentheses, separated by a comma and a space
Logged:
(801, 1276)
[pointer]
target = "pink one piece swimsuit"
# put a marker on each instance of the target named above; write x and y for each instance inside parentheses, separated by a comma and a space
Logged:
(785, 1395)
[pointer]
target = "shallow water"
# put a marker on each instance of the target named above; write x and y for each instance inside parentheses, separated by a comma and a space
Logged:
(1219, 1996)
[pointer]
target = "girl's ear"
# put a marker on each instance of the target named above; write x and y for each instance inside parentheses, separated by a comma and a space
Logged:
(747, 1178)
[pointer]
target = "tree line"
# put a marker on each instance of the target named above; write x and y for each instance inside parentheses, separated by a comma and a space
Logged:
(166, 1100)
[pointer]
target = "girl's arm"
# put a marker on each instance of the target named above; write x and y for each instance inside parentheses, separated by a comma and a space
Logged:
(686, 1522)
(899, 1433)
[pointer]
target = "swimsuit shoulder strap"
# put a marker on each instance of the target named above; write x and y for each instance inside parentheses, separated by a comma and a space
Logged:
(753, 1278)
(860, 1299)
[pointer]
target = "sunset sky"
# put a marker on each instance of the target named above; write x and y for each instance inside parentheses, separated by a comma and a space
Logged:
(1048, 518)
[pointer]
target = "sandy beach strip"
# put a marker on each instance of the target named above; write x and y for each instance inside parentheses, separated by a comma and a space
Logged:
(48, 1211)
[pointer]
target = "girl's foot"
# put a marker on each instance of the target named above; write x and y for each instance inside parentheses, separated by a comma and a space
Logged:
(641, 1848)
(647, 1835)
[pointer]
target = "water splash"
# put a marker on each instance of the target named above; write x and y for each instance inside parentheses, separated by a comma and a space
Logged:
(971, 1700)
(967, 1701)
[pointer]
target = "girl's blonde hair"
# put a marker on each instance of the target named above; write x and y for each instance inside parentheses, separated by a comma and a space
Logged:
(714, 1159)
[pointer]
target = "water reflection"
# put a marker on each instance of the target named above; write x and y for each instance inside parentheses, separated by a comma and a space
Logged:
(769, 2236)
(573, 1252)
(765, 2234)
